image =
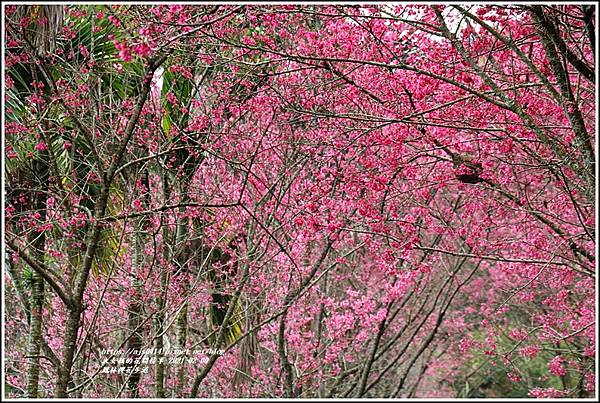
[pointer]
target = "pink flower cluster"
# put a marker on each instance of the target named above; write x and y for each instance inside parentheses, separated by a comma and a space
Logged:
(124, 51)
(556, 366)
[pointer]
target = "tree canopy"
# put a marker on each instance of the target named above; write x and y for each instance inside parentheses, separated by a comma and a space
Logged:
(302, 201)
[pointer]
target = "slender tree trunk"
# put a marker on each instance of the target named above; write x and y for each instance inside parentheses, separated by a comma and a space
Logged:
(160, 325)
(134, 343)
(37, 288)
(288, 389)
(160, 321)
(319, 334)
(135, 309)
(182, 324)
(70, 343)
(35, 336)
(182, 318)
(364, 378)
(161, 302)
(79, 378)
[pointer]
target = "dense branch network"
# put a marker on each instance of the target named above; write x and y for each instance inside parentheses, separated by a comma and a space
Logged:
(300, 201)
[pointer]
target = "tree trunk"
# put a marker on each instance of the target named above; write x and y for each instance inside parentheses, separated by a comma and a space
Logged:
(161, 302)
(182, 259)
(160, 322)
(38, 240)
(134, 343)
(70, 343)
(35, 336)
(182, 323)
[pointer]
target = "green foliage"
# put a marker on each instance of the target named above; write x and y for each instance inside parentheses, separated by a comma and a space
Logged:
(487, 376)
(73, 164)
(27, 279)
(217, 312)
(221, 300)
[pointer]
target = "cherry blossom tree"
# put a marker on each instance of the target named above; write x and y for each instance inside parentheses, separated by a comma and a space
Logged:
(300, 201)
